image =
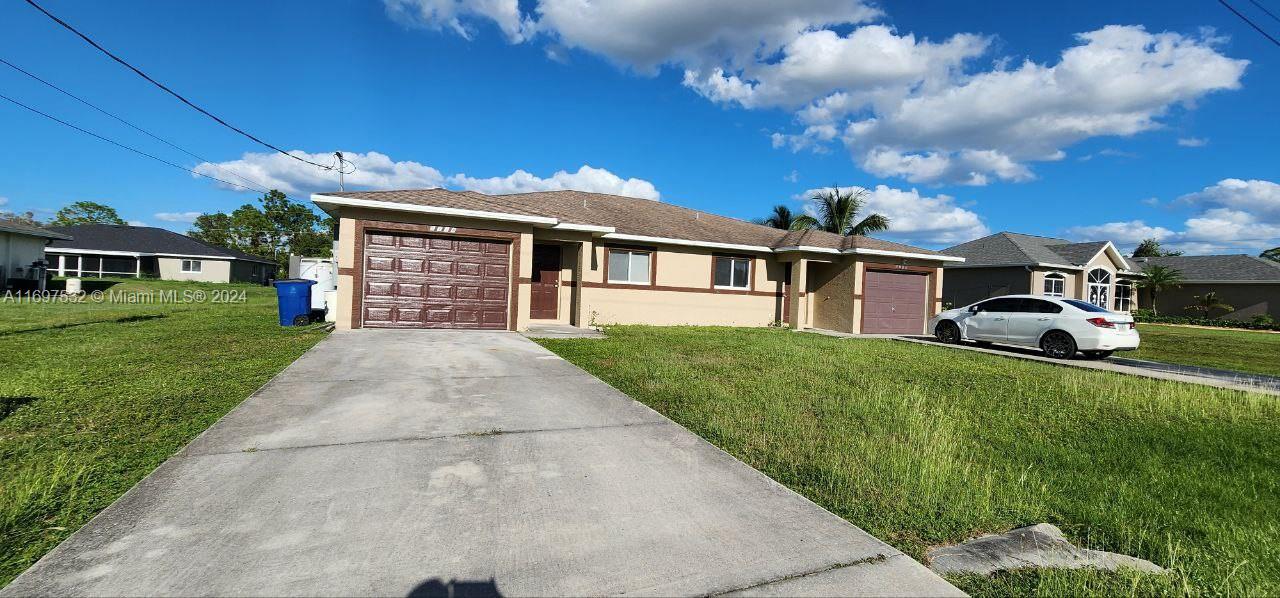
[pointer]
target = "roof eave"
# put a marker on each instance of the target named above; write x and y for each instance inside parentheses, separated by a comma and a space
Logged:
(327, 201)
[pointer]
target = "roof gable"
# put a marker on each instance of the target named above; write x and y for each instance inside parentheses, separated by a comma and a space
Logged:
(32, 230)
(141, 239)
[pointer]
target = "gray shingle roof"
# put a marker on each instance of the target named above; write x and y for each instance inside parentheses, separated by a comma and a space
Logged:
(22, 228)
(1237, 268)
(631, 216)
(142, 239)
(1016, 249)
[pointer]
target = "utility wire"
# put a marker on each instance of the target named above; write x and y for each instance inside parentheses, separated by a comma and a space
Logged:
(258, 186)
(120, 145)
(170, 91)
(1264, 9)
(1238, 14)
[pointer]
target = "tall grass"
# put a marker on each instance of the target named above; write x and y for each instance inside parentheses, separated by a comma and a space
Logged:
(926, 445)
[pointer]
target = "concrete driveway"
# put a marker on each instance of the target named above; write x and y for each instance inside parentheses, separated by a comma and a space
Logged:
(460, 463)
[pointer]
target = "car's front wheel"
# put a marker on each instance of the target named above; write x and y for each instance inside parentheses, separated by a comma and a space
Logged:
(947, 332)
(1058, 345)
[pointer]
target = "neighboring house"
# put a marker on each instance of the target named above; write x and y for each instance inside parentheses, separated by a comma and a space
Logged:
(1249, 284)
(99, 250)
(21, 245)
(1012, 263)
(435, 258)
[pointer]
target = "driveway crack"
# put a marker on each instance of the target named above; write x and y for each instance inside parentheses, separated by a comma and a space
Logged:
(863, 561)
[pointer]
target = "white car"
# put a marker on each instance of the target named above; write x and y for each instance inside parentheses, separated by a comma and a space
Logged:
(1059, 327)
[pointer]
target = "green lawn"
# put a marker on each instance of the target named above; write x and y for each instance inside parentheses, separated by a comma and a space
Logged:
(924, 445)
(1240, 350)
(95, 396)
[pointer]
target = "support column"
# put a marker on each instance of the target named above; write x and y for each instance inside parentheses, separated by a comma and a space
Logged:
(799, 282)
(137, 270)
(585, 250)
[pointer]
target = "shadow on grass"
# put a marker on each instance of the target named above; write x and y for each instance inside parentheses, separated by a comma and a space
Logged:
(10, 404)
(119, 320)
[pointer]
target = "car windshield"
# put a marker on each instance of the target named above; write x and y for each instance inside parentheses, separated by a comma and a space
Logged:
(1085, 306)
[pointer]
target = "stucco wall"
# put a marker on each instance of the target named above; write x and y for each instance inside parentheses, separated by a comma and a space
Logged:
(833, 294)
(683, 292)
(1070, 282)
(170, 268)
(1248, 300)
(968, 285)
(18, 251)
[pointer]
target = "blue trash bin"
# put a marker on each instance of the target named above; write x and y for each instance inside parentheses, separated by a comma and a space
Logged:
(293, 296)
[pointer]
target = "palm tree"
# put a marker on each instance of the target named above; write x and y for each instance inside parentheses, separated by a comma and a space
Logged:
(782, 217)
(1158, 278)
(838, 211)
(1208, 302)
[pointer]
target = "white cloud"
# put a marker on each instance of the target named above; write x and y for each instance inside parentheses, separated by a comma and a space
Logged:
(1118, 82)
(379, 172)
(456, 15)
(1257, 196)
(4, 200)
(1121, 233)
(1192, 141)
(645, 35)
(277, 171)
(792, 177)
(915, 218)
(596, 180)
(136, 223)
(815, 64)
(177, 216)
(1236, 216)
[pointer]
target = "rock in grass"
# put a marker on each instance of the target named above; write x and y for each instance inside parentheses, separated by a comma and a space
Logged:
(1034, 546)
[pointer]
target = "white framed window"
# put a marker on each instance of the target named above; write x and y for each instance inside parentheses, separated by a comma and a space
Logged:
(1124, 296)
(1099, 289)
(192, 266)
(1055, 285)
(629, 266)
(729, 272)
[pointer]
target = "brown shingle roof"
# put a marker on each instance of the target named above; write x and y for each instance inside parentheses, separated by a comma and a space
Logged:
(631, 216)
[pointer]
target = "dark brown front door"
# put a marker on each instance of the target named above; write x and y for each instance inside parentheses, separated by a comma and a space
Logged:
(416, 281)
(893, 302)
(544, 300)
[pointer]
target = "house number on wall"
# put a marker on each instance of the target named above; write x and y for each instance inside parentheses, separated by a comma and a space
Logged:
(444, 229)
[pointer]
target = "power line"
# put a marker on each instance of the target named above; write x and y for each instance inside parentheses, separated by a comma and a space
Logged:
(120, 145)
(167, 90)
(1264, 9)
(259, 187)
(1238, 14)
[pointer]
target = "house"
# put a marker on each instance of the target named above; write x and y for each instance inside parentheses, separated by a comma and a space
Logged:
(1251, 285)
(1012, 263)
(22, 245)
(99, 250)
(435, 258)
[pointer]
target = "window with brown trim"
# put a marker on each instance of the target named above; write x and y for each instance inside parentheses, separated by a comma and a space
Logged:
(729, 272)
(629, 266)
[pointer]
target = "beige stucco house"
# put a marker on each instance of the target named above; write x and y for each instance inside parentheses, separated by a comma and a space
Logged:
(1012, 263)
(1249, 284)
(21, 245)
(436, 258)
(97, 250)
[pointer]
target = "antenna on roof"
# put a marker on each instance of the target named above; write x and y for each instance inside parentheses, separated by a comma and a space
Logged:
(584, 203)
(697, 216)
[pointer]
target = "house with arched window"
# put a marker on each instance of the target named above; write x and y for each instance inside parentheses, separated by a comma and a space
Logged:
(1011, 263)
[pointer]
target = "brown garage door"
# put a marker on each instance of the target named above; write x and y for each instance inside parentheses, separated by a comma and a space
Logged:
(893, 303)
(414, 281)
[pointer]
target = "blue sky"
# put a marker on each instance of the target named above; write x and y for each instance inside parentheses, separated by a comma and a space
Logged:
(1091, 120)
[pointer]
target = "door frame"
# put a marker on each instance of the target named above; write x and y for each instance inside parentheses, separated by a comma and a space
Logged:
(929, 274)
(356, 272)
(536, 273)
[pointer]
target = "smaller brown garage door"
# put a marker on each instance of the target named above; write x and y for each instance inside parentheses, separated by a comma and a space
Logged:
(893, 302)
(415, 281)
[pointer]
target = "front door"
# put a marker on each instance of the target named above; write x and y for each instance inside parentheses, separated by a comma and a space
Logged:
(544, 300)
